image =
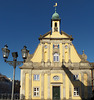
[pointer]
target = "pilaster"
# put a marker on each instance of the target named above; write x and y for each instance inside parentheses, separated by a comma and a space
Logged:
(82, 85)
(48, 54)
(42, 86)
(42, 61)
(70, 89)
(48, 98)
(22, 89)
(30, 84)
(63, 56)
(89, 85)
(64, 87)
(69, 53)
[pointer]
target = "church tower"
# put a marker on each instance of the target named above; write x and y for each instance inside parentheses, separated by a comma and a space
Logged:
(55, 22)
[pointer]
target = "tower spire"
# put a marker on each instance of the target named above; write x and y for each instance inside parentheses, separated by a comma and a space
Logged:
(55, 9)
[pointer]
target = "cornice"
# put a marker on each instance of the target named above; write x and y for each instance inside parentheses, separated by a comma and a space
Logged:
(57, 38)
(56, 68)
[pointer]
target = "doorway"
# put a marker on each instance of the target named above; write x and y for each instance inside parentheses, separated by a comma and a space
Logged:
(56, 92)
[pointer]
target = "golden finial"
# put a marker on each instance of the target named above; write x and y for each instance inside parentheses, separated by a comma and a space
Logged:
(55, 6)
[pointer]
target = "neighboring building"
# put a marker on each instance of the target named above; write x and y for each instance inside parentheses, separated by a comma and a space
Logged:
(17, 87)
(56, 71)
(6, 88)
(5, 84)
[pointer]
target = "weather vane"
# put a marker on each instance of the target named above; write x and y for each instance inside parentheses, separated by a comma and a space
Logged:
(55, 6)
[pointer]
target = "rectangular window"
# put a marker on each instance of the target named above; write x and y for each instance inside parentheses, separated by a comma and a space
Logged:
(76, 91)
(58, 45)
(53, 46)
(76, 77)
(36, 91)
(36, 77)
(56, 58)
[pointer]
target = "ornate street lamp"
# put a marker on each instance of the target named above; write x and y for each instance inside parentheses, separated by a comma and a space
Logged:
(5, 52)
(14, 63)
(24, 52)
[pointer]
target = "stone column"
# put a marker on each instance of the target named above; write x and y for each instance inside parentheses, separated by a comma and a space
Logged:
(63, 55)
(69, 53)
(48, 98)
(42, 86)
(42, 61)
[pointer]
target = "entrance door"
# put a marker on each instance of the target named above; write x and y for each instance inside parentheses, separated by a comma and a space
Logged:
(56, 92)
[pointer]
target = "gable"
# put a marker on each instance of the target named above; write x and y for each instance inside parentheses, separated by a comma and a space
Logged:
(43, 51)
(56, 35)
(45, 48)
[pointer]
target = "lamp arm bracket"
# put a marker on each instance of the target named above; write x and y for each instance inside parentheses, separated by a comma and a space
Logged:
(18, 63)
(11, 63)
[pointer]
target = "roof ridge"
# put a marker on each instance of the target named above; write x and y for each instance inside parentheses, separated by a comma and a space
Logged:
(70, 36)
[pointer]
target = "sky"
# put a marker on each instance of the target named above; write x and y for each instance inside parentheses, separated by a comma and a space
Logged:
(22, 22)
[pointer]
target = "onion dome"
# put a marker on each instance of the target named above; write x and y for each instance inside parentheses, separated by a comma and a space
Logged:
(55, 15)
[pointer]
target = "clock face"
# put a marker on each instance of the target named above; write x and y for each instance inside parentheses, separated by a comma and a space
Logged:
(56, 78)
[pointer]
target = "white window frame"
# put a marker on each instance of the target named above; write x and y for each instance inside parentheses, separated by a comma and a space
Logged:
(56, 57)
(36, 77)
(36, 91)
(76, 91)
(76, 77)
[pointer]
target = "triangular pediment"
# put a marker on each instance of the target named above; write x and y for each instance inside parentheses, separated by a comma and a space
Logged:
(45, 35)
(65, 35)
(61, 35)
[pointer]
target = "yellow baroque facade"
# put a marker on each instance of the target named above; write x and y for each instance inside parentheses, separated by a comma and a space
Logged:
(56, 71)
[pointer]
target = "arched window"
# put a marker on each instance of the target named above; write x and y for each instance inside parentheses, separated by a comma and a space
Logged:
(56, 57)
(55, 27)
(55, 24)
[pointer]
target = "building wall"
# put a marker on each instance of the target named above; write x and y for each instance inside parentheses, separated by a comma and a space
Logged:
(73, 53)
(65, 82)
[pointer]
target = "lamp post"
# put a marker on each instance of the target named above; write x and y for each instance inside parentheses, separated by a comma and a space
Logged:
(14, 63)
